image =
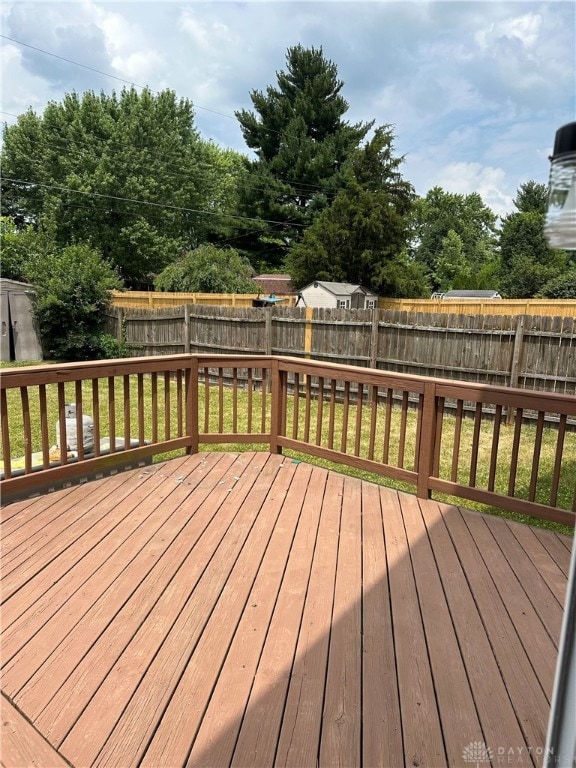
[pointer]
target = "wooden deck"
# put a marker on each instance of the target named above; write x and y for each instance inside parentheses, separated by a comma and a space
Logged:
(245, 609)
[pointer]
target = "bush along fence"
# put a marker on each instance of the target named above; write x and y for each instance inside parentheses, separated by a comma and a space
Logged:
(531, 352)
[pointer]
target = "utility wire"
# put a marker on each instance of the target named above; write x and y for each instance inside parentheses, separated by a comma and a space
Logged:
(151, 204)
(128, 82)
(106, 74)
(299, 187)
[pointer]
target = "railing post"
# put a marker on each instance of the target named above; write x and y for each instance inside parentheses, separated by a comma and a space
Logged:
(186, 329)
(427, 440)
(192, 405)
(278, 392)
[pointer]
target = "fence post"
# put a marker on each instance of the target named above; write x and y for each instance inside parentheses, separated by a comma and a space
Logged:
(268, 331)
(308, 332)
(427, 441)
(515, 362)
(374, 338)
(276, 406)
(186, 329)
(119, 323)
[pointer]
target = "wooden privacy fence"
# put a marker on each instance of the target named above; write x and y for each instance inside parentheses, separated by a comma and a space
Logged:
(531, 352)
(546, 307)
(160, 299)
(349, 415)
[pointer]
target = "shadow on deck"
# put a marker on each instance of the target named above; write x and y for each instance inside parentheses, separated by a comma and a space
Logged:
(247, 609)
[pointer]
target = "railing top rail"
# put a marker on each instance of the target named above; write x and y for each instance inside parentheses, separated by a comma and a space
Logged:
(518, 397)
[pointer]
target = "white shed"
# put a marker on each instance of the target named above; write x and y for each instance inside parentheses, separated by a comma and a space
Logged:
(322, 293)
(18, 338)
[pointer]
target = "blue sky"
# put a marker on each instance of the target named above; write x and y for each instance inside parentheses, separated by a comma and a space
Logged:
(474, 90)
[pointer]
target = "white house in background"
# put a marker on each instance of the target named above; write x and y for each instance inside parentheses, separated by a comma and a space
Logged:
(322, 293)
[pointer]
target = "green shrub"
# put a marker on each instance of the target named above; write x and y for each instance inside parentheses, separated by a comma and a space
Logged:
(561, 287)
(73, 289)
(208, 269)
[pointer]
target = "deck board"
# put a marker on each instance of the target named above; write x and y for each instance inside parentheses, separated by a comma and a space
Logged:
(245, 609)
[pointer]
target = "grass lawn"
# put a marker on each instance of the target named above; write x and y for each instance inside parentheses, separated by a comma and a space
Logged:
(174, 424)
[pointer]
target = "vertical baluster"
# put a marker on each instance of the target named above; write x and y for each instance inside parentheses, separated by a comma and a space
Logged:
(296, 414)
(79, 420)
(250, 386)
(154, 399)
(62, 423)
(179, 409)
(437, 432)
(345, 412)
(457, 438)
(96, 416)
(5, 435)
(373, 420)
(220, 400)
(475, 444)
(359, 405)
(206, 400)
(112, 413)
(387, 425)
(235, 400)
(141, 423)
(127, 426)
(264, 388)
(319, 410)
(403, 421)
(44, 430)
(536, 456)
(167, 408)
(515, 451)
(27, 430)
(307, 404)
(494, 448)
(332, 414)
(558, 460)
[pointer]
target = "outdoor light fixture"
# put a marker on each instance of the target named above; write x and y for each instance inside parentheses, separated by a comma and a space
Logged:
(560, 230)
(560, 224)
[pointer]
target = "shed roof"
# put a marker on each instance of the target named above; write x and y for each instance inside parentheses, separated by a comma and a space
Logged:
(341, 289)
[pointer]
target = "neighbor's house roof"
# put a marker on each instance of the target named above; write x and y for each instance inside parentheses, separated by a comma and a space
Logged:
(341, 289)
(471, 295)
(274, 283)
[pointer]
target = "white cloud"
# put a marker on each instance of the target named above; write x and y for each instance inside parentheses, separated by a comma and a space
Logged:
(525, 28)
(490, 183)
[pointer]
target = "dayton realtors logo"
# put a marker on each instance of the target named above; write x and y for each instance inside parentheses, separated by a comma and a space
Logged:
(477, 752)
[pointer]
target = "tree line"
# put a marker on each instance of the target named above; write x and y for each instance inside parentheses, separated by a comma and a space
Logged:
(128, 177)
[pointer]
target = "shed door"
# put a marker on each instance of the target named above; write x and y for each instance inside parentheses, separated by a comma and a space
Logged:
(26, 344)
(4, 328)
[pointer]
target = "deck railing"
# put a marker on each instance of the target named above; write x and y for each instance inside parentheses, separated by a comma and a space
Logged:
(510, 448)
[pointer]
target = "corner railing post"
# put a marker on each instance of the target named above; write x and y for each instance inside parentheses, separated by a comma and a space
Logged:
(276, 407)
(427, 440)
(192, 404)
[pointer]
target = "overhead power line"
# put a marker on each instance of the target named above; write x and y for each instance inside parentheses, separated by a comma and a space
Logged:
(105, 74)
(166, 206)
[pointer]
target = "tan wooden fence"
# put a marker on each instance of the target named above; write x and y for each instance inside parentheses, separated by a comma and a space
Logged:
(531, 352)
(159, 299)
(546, 307)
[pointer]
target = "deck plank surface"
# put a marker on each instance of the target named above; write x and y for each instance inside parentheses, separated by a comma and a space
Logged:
(248, 610)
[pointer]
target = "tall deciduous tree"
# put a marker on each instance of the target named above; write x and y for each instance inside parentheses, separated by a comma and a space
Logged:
(361, 237)
(459, 227)
(527, 263)
(301, 143)
(81, 164)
